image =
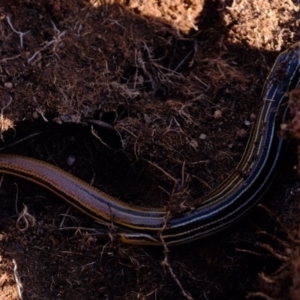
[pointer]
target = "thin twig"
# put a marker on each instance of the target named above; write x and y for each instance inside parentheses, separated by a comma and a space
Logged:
(28, 219)
(55, 40)
(275, 253)
(168, 265)
(21, 34)
(163, 171)
(18, 281)
(259, 294)
(101, 124)
(8, 104)
(21, 140)
(64, 218)
(3, 60)
(93, 132)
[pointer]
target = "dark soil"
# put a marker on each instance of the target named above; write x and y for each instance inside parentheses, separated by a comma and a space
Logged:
(145, 97)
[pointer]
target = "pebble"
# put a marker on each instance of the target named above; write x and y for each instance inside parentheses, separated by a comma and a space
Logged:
(242, 133)
(218, 114)
(8, 85)
(247, 123)
(194, 143)
(203, 136)
(70, 160)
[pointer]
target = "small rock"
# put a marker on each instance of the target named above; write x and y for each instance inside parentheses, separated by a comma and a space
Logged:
(194, 143)
(283, 126)
(218, 114)
(242, 133)
(70, 160)
(35, 115)
(247, 123)
(8, 85)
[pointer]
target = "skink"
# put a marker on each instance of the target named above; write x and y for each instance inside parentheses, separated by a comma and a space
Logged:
(219, 209)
